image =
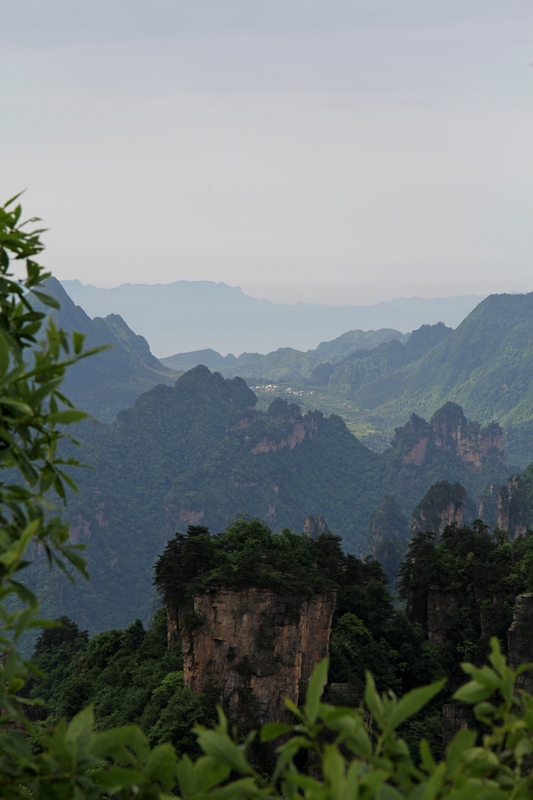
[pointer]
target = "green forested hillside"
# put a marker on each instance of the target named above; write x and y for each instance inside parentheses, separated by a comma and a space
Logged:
(200, 453)
(372, 379)
(485, 365)
(112, 381)
(286, 363)
(364, 366)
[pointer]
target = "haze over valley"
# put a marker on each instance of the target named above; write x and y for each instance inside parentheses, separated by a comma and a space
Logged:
(196, 315)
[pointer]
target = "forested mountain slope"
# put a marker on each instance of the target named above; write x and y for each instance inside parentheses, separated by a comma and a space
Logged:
(105, 384)
(485, 365)
(200, 453)
(285, 364)
(366, 365)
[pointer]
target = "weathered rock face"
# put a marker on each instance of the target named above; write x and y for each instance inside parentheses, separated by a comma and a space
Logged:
(315, 527)
(295, 435)
(472, 443)
(520, 638)
(441, 606)
(433, 610)
(80, 529)
(191, 516)
(513, 508)
(256, 646)
(451, 431)
(454, 719)
(450, 514)
(442, 505)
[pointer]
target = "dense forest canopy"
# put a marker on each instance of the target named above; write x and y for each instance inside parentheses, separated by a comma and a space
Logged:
(131, 676)
(248, 554)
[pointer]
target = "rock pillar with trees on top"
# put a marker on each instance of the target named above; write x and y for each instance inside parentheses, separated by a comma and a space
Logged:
(251, 611)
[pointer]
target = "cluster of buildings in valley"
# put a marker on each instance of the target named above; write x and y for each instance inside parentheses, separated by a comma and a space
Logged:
(273, 387)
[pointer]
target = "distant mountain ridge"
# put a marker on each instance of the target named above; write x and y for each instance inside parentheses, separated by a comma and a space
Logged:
(112, 380)
(286, 363)
(197, 315)
(375, 379)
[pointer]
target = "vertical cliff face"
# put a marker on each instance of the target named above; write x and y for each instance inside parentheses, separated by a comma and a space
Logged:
(520, 639)
(472, 443)
(442, 505)
(255, 646)
(315, 527)
(513, 507)
(450, 431)
(433, 610)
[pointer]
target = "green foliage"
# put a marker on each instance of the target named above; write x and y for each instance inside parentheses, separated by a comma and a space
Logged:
(129, 677)
(69, 760)
(332, 752)
(33, 412)
(248, 554)
(368, 633)
(478, 575)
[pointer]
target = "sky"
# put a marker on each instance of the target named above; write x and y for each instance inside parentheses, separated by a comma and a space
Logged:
(334, 151)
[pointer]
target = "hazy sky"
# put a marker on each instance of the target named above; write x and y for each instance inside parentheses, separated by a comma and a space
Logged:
(343, 151)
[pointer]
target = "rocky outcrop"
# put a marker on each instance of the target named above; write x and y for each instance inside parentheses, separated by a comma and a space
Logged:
(520, 639)
(442, 505)
(450, 431)
(191, 516)
(286, 428)
(468, 440)
(242, 422)
(417, 453)
(387, 536)
(433, 610)
(441, 607)
(487, 509)
(513, 508)
(295, 436)
(315, 527)
(454, 719)
(255, 646)
(80, 530)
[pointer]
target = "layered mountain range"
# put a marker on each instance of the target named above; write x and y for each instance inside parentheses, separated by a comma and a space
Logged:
(112, 380)
(201, 453)
(202, 450)
(193, 315)
(485, 365)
